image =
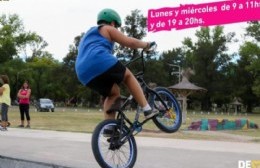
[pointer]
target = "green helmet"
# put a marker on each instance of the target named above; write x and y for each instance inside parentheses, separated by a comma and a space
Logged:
(109, 15)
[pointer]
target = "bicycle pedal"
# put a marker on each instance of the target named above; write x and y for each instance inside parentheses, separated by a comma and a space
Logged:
(138, 129)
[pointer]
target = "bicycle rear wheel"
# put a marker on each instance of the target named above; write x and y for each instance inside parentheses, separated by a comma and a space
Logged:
(168, 120)
(108, 151)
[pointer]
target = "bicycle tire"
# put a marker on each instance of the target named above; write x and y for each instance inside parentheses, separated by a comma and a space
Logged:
(167, 121)
(112, 158)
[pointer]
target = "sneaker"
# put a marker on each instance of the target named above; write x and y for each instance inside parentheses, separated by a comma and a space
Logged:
(3, 129)
(150, 113)
(113, 139)
(110, 131)
(21, 126)
(28, 126)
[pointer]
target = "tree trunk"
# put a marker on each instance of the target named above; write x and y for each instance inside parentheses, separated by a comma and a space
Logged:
(249, 107)
(206, 104)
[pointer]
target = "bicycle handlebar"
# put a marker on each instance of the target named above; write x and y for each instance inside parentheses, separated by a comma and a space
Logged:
(152, 47)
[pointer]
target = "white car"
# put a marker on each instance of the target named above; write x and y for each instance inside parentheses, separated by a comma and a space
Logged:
(45, 104)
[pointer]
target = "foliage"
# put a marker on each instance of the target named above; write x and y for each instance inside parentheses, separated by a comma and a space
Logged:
(13, 37)
(215, 70)
(74, 89)
(173, 61)
(248, 69)
(43, 69)
(135, 26)
(208, 58)
(37, 47)
(253, 30)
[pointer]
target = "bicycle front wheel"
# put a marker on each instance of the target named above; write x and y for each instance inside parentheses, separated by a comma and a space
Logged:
(170, 116)
(108, 151)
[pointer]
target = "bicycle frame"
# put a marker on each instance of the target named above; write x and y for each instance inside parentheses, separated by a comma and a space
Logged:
(121, 116)
(117, 148)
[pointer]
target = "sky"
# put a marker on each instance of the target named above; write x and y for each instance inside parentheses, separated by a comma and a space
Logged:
(60, 21)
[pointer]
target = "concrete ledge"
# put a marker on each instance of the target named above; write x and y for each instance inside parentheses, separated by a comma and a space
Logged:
(8, 162)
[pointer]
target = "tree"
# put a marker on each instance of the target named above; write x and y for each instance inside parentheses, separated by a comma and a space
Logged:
(253, 30)
(14, 69)
(70, 59)
(13, 38)
(78, 91)
(43, 72)
(173, 61)
(245, 77)
(208, 58)
(248, 69)
(37, 47)
(135, 26)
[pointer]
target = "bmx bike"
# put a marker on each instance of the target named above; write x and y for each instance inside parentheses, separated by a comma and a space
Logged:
(120, 149)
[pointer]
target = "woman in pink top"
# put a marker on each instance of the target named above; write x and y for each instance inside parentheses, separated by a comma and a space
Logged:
(24, 101)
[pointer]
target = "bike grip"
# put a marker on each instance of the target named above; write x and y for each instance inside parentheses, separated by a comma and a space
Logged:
(153, 43)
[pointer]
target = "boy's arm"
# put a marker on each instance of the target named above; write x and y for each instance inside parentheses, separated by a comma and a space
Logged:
(124, 40)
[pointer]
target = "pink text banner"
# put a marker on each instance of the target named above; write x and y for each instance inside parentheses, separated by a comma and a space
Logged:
(207, 14)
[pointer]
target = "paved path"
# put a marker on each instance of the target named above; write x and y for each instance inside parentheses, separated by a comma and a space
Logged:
(74, 150)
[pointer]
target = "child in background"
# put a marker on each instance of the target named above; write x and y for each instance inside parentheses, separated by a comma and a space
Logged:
(24, 103)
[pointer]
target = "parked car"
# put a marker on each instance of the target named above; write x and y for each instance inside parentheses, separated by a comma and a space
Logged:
(44, 104)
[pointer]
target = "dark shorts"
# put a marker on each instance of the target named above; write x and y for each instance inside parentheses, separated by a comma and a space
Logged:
(104, 82)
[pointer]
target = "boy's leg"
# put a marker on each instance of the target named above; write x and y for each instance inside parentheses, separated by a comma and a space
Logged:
(106, 84)
(137, 92)
(109, 101)
(134, 88)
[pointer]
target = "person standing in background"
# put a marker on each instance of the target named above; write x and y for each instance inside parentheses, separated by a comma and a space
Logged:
(5, 100)
(24, 103)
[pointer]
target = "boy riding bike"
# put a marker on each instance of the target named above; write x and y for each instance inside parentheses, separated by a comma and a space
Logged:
(99, 70)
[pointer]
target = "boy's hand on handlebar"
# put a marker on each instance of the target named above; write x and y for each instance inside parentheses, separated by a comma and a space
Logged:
(150, 46)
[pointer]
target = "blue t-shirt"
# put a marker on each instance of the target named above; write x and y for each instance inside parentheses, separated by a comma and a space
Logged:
(94, 56)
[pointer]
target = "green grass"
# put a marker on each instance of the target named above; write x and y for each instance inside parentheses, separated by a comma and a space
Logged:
(85, 120)
(63, 119)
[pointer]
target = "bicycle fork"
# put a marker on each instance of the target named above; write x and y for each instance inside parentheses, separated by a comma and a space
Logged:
(135, 126)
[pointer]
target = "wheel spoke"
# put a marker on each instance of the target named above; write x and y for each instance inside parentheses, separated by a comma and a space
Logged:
(169, 119)
(114, 154)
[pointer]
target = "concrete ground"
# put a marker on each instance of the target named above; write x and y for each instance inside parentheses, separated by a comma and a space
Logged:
(25, 148)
